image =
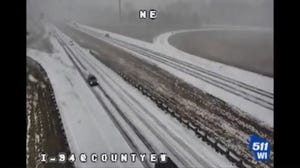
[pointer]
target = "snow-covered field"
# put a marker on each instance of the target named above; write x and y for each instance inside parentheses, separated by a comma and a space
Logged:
(104, 119)
(254, 104)
(254, 79)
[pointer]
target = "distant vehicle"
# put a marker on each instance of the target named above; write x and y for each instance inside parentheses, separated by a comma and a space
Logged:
(92, 80)
(71, 43)
(75, 24)
(107, 35)
(94, 53)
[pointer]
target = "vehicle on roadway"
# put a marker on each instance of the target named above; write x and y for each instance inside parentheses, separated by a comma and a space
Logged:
(107, 35)
(71, 43)
(92, 80)
(93, 52)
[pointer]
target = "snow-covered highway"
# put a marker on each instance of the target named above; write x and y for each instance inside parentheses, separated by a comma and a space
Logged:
(142, 64)
(143, 124)
(253, 95)
(114, 117)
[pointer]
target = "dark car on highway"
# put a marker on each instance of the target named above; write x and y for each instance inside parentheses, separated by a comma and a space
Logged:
(92, 80)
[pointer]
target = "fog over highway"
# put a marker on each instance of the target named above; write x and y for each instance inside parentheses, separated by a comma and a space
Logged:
(192, 85)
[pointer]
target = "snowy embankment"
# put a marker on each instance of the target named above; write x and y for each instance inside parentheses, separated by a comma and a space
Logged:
(84, 120)
(142, 120)
(93, 124)
(251, 78)
(254, 109)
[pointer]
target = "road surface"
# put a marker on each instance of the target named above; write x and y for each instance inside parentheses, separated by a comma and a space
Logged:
(253, 98)
(114, 117)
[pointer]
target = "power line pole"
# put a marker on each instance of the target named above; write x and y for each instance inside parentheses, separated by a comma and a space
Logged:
(120, 11)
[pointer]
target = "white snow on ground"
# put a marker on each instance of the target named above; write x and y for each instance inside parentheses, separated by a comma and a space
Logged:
(32, 78)
(251, 78)
(28, 110)
(161, 44)
(89, 129)
(264, 115)
(161, 130)
(87, 126)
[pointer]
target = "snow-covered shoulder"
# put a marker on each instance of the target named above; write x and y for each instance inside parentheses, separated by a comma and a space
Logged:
(84, 119)
(161, 45)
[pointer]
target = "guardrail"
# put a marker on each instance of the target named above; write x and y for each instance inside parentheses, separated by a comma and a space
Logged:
(170, 108)
(201, 133)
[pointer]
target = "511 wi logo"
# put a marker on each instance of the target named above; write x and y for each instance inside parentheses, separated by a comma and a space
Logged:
(260, 147)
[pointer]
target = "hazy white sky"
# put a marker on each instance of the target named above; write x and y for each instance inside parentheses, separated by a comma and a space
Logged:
(135, 3)
(237, 11)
